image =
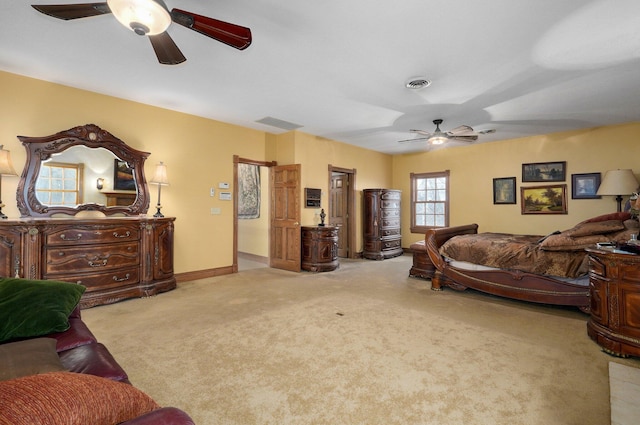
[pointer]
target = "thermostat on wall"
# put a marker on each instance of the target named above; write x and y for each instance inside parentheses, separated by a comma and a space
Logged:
(225, 196)
(223, 185)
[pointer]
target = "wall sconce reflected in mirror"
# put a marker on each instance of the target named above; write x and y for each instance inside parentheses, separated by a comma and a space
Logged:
(6, 169)
(160, 178)
(100, 183)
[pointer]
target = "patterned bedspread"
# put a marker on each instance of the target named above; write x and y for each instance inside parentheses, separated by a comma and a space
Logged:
(515, 252)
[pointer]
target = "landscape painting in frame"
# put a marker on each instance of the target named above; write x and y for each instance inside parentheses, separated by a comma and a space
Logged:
(550, 199)
(544, 172)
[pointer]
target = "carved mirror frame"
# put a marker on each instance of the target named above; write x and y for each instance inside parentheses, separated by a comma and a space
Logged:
(90, 135)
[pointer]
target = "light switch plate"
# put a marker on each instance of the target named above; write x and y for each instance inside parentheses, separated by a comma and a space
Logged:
(212, 192)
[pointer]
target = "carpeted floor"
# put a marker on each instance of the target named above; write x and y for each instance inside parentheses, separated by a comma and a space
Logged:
(364, 344)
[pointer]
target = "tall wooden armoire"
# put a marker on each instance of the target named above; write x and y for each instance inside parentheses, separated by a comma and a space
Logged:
(381, 226)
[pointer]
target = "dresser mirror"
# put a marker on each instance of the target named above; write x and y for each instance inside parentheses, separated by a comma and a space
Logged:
(84, 168)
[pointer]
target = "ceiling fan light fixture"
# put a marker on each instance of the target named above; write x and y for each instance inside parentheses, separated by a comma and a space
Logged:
(144, 17)
(437, 140)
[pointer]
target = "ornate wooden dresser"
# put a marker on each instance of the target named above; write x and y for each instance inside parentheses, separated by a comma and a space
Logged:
(614, 286)
(115, 258)
(381, 226)
(119, 252)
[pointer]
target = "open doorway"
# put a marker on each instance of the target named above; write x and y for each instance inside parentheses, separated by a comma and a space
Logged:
(251, 219)
(342, 183)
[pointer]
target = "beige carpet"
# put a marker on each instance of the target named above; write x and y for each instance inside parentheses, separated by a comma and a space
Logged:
(364, 344)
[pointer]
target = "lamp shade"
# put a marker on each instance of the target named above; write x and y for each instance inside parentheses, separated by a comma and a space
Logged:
(160, 176)
(144, 17)
(618, 182)
(6, 167)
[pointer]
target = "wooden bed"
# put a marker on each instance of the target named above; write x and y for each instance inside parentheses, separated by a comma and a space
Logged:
(505, 283)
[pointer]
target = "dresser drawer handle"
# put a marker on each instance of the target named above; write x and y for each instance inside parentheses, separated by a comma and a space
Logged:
(126, 235)
(77, 238)
(121, 279)
(98, 262)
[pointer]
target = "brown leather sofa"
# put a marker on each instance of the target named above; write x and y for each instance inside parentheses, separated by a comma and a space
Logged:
(80, 352)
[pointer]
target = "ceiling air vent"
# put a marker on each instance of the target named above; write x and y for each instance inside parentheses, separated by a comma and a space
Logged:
(281, 124)
(417, 83)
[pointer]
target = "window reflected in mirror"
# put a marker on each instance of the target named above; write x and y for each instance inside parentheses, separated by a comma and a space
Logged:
(60, 184)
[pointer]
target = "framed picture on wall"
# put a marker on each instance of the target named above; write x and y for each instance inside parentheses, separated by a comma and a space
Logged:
(504, 190)
(544, 172)
(550, 199)
(123, 176)
(585, 186)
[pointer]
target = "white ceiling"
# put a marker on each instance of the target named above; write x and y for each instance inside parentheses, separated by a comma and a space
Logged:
(337, 68)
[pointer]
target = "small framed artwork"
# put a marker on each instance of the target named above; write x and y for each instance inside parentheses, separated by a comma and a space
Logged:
(504, 190)
(544, 172)
(123, 176)
(312, 197)
(550, 199)
(585, 186)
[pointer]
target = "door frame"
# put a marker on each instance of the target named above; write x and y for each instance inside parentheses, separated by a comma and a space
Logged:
(351, 205)
(238, 160)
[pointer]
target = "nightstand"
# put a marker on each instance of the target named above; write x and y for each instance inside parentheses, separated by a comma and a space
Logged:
(614, 286)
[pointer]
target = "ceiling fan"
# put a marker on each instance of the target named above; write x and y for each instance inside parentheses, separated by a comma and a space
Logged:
(463, 133)
(151, 18)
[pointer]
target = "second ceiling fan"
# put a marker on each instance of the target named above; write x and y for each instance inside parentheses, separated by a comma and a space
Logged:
(463, 133)
(151, 18)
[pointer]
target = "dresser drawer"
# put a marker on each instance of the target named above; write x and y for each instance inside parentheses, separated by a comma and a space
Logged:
(390, 214)
(90, 258)
(81, 235)
(596, 266)
(390, 232)
(390, 195)
(103, 280)
(390, 204)
(391, 244)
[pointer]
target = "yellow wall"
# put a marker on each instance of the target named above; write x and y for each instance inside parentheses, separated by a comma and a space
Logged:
(373, 170)
(474, 167)
(198, 153)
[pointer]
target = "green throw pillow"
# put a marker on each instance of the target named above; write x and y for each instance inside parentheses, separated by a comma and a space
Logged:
(30, 308)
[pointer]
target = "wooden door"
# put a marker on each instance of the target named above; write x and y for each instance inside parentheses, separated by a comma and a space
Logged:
(285, 217)
(338, 211)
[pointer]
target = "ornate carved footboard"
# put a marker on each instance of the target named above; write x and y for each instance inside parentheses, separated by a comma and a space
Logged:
(505, 283)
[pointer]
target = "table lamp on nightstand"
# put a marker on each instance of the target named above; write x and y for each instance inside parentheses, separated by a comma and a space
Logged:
(617, 183)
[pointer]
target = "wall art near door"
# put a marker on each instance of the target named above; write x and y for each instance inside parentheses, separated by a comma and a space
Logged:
(504, 190)
(585, 186)
(551, 199)
(544, 172)
(248, 191)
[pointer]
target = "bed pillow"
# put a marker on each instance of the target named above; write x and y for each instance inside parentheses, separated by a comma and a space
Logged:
(29, 357)
(595, 228)
(623, 215)
(562, 242)
(32, 308)
(67, 398)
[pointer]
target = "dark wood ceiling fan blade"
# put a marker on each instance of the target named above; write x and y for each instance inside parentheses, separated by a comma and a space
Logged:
(73, 11)
(231, 34)
(166, 49)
